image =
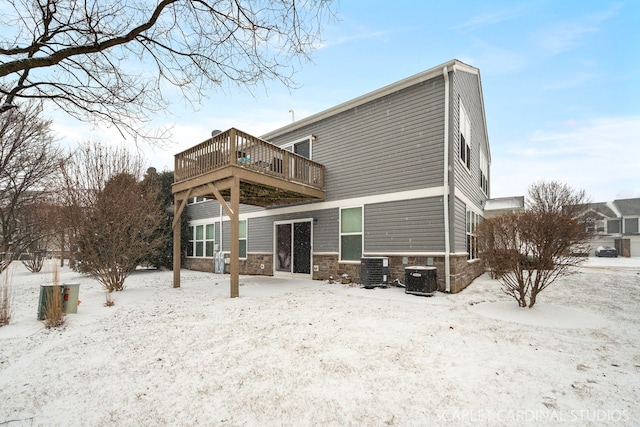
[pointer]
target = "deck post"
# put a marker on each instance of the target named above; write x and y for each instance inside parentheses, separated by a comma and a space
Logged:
(235, 239)
(177, 211)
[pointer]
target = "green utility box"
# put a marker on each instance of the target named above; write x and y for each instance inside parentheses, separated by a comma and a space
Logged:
(71, 292)
(46, 298)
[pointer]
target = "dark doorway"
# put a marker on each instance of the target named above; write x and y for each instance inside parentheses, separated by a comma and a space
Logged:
(293, 247)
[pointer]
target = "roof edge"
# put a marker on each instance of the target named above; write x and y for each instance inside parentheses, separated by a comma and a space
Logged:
(453, 65)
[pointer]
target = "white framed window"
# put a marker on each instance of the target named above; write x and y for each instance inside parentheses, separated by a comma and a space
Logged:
(631, 225)
(613, 226)
(201, 240)
(302, 147)
(484, 173)
(209, 239)
(242, 224)
(351, 233)
(464, 152)
(198, 199)
(473, 219)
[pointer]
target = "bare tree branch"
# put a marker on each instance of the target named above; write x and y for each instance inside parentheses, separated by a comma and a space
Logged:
(28, 164)
(527, 251)
(109, 61)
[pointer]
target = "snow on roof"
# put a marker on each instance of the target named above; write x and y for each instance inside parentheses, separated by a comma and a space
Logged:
(501, 203)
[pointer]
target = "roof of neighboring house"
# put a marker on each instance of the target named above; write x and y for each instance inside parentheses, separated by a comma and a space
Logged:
(503, 203)
(628, 207)
(617, 208)
(603, 209)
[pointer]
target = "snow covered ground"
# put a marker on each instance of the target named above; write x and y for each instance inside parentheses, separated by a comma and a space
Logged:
(300, 352)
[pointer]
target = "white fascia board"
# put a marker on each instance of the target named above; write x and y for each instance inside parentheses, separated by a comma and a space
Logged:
(379, 93)
(356, 201)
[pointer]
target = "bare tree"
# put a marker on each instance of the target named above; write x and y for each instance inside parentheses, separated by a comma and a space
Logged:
(112, 61)
(115, 217)
(90, 166)
(119, 231)
(84, 174)
(527, 251)
(38, 222)
(555, 197)
(28, 163)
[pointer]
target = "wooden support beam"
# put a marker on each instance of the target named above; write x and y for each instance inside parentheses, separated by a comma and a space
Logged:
(177, 236)
(221, 199)
(235, 239)
(178, 212)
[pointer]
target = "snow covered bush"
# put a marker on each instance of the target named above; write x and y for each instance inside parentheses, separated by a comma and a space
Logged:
(527, 251)
(119, 231)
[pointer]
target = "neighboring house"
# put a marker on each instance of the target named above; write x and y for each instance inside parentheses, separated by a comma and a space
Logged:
(402, 172)
(617, 223)
(503, 205)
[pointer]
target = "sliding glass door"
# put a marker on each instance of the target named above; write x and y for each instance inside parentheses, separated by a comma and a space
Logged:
(293, 247)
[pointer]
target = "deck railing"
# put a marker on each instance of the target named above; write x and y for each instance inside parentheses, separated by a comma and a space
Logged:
(235, 147)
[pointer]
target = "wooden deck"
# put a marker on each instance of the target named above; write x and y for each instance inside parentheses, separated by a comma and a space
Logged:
(269, 175)
(235, 167)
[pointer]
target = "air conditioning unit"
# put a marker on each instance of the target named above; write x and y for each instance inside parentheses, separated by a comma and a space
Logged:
(374, 272)
(420, 280)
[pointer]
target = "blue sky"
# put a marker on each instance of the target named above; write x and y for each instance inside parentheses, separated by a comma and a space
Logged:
(561, 84)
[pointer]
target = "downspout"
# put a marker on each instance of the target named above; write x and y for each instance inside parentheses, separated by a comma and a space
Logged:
(447, 245)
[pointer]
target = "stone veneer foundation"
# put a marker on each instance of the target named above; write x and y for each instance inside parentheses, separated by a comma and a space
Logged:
(462, 271)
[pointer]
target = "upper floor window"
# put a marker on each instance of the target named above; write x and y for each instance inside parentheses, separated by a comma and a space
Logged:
(484, 173)
(613, 226)
(302, 147)
(631, 225)
(465, 138)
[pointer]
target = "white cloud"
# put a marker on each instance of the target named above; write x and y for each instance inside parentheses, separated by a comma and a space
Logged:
(487, 19)
(598, 155)
(363, 35)
(493, 59)
(565, 35)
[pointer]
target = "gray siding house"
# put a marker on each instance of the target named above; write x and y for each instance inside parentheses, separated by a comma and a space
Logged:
(617, 223)
(406, 176)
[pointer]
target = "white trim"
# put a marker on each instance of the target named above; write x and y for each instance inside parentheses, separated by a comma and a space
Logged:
(277, 273)
(356, 201)
(624, 224)
(614, 208)
(203, 223)
(464, 130)
(246, 239)
(469, 203)
(350, 234)
(210, 220)
(376, 94)
(309, 138)
(197, 202)
(446, 193)
(391, 253)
